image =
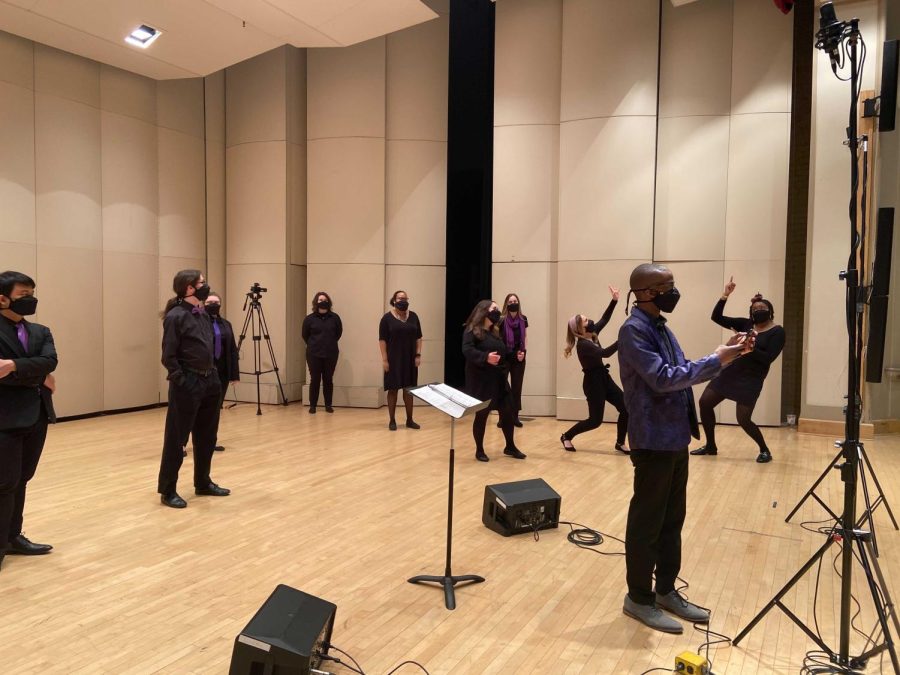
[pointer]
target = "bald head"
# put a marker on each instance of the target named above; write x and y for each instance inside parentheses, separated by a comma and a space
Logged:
(648, 275)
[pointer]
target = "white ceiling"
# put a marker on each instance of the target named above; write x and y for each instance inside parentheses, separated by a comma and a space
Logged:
(202, 36)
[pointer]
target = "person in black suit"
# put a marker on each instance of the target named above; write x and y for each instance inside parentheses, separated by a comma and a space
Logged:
(598, 385)
(487, 373)
(321, 331)
(27, 361)
(225, 352)
(194, 388)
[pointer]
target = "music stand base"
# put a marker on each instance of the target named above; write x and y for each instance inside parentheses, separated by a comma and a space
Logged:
(448, 582)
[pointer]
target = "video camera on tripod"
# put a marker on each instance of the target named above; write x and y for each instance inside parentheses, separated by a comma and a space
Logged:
(256, 321)
(255, 294)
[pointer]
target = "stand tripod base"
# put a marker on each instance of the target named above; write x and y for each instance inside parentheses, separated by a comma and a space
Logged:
(448, 582)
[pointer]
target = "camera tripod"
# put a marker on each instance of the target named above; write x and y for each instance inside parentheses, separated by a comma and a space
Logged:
(256, 321)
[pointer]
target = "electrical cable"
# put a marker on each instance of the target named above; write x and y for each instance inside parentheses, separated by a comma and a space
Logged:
(356, 668)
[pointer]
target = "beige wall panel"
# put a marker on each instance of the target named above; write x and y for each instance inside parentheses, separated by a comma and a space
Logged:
(66, 75)
(19, 257)
(527, 62)
(426, 289)
(416, 81)
(127, 94)
(602, 78)
(17, 165)
(296, 95)
(297, 203)
(416, 201)
(695, 60)
(214, 92)
(297, 309)
(215, 212)
(182, 198)
(346, 200)
(606, 180)
(168, 267)
(129, 184)
(67, 162)
(16, 60)
(691, 186)
(65, 277)
(255, 99)
(345, 90)
(535, 284)
(359, 296)
(526, 192)
(756, 218)
(762, 59)
(180, 105)
(130, 351)
(255, 180)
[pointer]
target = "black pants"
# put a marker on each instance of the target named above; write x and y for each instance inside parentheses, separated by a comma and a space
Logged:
(223, 381)
(20, 452)
(507, 423)
(655, 518)
(516, 378)
(709, 400)
(321, 368)
(596, 405)
(193, 409)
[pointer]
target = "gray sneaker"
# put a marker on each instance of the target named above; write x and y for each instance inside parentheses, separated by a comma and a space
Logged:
(675, 603)
(651, 616)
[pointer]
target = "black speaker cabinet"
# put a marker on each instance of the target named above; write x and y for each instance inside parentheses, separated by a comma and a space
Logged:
(284, 636)
(519, 507)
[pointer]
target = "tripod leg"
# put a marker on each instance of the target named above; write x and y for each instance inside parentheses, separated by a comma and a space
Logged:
(865, 457)
(870, 563)
(265, 333)
(811, 491)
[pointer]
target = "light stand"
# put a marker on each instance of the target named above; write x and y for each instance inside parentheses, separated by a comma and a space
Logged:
(840, 39)
(256, 321)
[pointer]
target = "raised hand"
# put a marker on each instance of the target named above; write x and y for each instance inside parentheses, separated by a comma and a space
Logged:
(614, 292)
(729, 287)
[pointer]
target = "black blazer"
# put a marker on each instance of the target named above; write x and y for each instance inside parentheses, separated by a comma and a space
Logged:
(22, 394)
(228, 363)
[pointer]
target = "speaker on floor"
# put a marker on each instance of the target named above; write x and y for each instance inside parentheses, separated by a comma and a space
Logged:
(520, 507)
(285, 636)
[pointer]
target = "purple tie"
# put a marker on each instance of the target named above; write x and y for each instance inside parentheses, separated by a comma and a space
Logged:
(218, 345)
(23, 334)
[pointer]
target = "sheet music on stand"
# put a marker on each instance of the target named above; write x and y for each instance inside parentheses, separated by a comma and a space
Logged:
(447, 399)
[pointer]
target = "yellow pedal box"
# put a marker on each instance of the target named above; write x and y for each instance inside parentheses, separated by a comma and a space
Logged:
(691, 664)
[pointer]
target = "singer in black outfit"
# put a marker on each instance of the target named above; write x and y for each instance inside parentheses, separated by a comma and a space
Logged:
(27, 361)
(598, 385)
(321, 331)
(513, 328)
(400, 341)
(743, 381)
(194, 388)
(487, 373)
(225, 351)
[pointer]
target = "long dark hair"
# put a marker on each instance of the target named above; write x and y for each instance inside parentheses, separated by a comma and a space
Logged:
(315, 299)
(475, 322)
(180, 284)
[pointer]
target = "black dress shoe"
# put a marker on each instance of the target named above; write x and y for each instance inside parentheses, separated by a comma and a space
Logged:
(22, 546)
(519, 424)
(705, 450)
(329, 409)
(392, 425)
(621, 447)
(481, 457)
(564, 440)
(764, 456)
(515, 453)
(212, 490)
(312, 410)
(412, 425)
(173, 500)
(219, 448)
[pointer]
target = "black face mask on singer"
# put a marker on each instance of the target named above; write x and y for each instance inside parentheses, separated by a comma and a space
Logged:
(512, 307)
(664, 301)
(24, 306)
(323, 304)
(202, 293)
(494, 315)
(761, 316)
(213, 309)
(402, 305)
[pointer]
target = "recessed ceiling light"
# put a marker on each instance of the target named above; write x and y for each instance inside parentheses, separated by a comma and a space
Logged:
(143, 36)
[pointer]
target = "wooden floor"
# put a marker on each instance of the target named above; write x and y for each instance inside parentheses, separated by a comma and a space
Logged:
(340, 507)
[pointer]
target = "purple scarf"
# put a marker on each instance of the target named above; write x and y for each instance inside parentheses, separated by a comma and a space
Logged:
(508, 324)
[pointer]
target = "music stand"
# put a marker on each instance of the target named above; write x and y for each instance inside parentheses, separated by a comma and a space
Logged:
(456, 404)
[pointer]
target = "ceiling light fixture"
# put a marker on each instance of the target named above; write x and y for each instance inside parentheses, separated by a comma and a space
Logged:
(143, 36)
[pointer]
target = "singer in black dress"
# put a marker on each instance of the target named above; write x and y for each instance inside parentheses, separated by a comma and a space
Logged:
(487, 373)
(400, 341)
(598, 385)
(742, 381)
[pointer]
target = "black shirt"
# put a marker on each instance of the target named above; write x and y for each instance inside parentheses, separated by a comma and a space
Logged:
(591, 354)
(321, 333)
(187, 341)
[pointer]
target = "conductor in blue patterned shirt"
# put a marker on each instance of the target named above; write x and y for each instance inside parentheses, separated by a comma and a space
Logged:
(657, 380)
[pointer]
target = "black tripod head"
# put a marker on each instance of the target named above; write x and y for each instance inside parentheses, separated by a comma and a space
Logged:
(254, 295)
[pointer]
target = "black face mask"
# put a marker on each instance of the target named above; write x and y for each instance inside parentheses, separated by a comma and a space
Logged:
(513, 307)
(667, 301)
(323, 304)
(761, 316)
(494, 315)
(202, 293)
(24, 306)
(590, 327)
(213, 309)
(402, 305)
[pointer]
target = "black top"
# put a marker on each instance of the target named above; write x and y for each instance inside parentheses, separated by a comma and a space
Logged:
(400, 338)
(484, 381)
(742, 381)
(591, 354)
(22, 393)
(321, 333)
(600, 324)
(187, 341)
(227, 363)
